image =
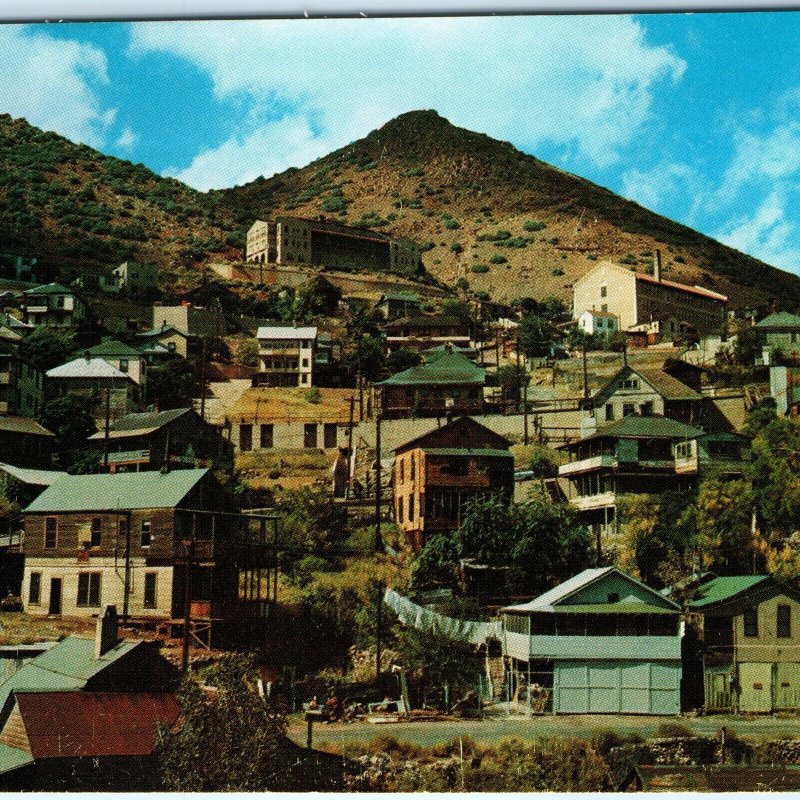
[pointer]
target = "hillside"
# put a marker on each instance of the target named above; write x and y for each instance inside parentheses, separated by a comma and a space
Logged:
(77, 210)
(506, 221)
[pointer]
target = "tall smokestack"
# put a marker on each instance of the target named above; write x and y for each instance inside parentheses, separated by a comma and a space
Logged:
(657, 266)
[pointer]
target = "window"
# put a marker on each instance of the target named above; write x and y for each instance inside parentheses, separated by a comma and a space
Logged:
(245, 438)
(609, 412)
(89, 589)
(267, 436)
(647, 409)
(603, 290)
(50, 532)
(310, 435)
(400, 509)
(304, 362)
(784, 622)
(411, 508)
(96, 532)
(304, 378)
(35, 589)
(751, 622)
(150, 589)
(146, 537)
(628, 409)
(613, 597)
(329, 434)
(402, 470)
(683, 450)
(123, 365)
(412, 469)
(630, 383)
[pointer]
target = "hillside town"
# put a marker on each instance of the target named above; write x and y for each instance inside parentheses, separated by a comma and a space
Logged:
(391, 502)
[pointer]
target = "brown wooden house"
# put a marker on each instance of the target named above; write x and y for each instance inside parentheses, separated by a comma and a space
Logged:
(25, 443)
(421, 331)
(124, 539)
(436, 474)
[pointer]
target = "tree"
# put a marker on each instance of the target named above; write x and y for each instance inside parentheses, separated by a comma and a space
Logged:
(401, 359)
(45, 348)
(543, 463)
(70, 419)
(247, 352)
(171, 385)
(229, 739)
(512, 379)
(316, 297)
(310, 523)
(536, 335)
(458, 309)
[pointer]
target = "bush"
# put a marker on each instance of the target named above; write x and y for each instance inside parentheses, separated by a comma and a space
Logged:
(533, 225)
(479, 268)
(313, 395)
(451, 224)
(673, 730)
(498, 260)
(456, 248)
(558, 272)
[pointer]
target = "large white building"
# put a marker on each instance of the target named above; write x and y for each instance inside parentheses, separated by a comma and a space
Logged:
(286, 355)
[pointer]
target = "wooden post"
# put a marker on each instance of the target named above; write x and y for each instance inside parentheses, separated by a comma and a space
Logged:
(349, 486)
(378, 540)
(585, 374)
(126, 588)
(203, 381)
(378, 626)
(525, 408)
(106, 440)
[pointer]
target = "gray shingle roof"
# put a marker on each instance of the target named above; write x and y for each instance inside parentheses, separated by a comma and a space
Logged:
(87, 368)
(23, 425)
(33, 477)
(111, 348)
(141, 423)
(636, 427)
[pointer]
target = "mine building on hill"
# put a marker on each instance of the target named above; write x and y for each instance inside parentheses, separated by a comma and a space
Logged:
(323, 243)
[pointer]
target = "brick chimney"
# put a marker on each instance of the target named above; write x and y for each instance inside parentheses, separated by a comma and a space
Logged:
(106, 633)
(657, 266)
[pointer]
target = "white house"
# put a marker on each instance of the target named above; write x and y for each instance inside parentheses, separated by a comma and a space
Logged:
(602, 322)
(286, 355)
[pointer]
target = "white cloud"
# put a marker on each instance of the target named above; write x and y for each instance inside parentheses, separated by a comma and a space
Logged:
(660, 186)
(584, 83)
(53, 82)
(127, 139)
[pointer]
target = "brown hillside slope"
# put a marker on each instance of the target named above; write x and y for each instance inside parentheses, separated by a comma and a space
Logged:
(455, 190)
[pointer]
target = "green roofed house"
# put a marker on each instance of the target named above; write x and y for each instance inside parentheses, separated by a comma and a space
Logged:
(780, 331)
(122, 356)
(52, 305)
(91, 540)
(421, 331)
(599, 643)
(748, 628)
(641, 455)
(396, 304)
(450, 384)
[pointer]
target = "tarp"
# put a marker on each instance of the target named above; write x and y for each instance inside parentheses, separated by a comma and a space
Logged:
(424, 619)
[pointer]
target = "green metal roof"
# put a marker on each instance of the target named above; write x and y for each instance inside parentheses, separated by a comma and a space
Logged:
(451, 368)
(110, 348)
(408, 297)
(717, 590)
(12, 758)
(611, 608)
(49, 288)
(781, 319)
(125, 490)
(466, 451)
(636, 427)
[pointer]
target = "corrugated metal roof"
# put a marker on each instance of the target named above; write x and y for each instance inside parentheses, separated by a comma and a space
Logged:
(33, 477)
(15, 424)
(425, 320)
(408, 297)
(161, 330)
(667, 386)
(111, 348)
(95, 724)
(13, 758)
(651, 427)
(683, 287)
(141, 423)
(717, 590)
(126, 490)
(87, 368)
(449, 369)
(286, 332)
(780, 319)
(466, 451)
(49, 288)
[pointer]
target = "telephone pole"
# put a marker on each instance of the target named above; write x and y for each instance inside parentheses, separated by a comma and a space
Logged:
(378, 540)
(106, 440)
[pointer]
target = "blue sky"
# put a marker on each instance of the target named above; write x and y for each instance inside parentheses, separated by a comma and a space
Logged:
(696, 116)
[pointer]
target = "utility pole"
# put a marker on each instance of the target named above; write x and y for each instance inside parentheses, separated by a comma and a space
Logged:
(106, 440)
(378, 631)
(585, 374)
(203, 381)
(187, 600)
(350, 449)
(525, 407)
(378, 540)
(126, 591)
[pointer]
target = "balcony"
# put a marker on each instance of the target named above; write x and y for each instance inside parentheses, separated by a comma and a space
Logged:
(588, 465)
(594, 501)
(601, 648)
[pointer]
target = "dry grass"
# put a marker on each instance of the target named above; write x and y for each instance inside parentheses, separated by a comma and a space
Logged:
(19, 628)
(290, 405)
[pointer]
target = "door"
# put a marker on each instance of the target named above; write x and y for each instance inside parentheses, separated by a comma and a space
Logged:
(55, 596)
(787, 686)
(755, 681)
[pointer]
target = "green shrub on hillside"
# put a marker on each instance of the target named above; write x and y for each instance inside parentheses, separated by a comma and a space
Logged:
(533, 225)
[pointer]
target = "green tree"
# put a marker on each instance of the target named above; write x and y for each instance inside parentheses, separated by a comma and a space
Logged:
(316, 297)
(70, 419)
(247, 352)
(536, 335)
(45, 348)
(458, 309)
(171, 385)
(310, 523)
(229, 739)
(401, 359)
(512, 379)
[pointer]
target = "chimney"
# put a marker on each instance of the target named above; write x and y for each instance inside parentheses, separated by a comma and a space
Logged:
(106, 633)
(657, 266)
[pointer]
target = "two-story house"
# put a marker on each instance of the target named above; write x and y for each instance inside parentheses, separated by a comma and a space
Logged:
(599, 643)
(394, 305)
(52, 305)
(25, 443)
(641, 455)
(121, 356)
(435, 475)
(449, 384)
(780, 331)
(286, 355)
(421, 331)
(136, 279)
(124, 539)
(749, 632)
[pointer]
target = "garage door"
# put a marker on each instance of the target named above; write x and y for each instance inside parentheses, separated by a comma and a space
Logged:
(755, 681)
(614, 687)
(787, 686)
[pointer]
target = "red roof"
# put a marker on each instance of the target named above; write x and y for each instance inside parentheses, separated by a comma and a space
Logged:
(682, 287)
(70, 724)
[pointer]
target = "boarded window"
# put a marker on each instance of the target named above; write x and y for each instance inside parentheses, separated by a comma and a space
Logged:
(35, 589)
(50, 532)
(267, 436)
(400, 509)
(96, 537)
(150, 579)
(784, 622)
(89, 589)
(310, 435)
(609, 412)
(628, 409)
(751, 622)
(412, 467)
(245, 438)
(329, 434)
(411, 508)
(146, 536)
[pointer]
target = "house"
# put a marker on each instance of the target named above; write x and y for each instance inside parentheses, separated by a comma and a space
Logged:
(290, 419)
(394, 305)
(599, 643)
(749, 632)
(598, 322)
(29, 389)
(641, 455)
(25, 442)
(286, 355)
(438, 473)
(784, 388)
(121, 356)
(22, 485)
(192, 321)
(52, 305)
(419, 332)
(177, 438)
(136, 279)
(92, 540)
(638, 299)
(165, 340)
(93, 377)
(780, 331)
(8, 377)
(450, 384)
(84, 714)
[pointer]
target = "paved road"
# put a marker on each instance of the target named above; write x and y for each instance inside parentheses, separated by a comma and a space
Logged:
(495, 728)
